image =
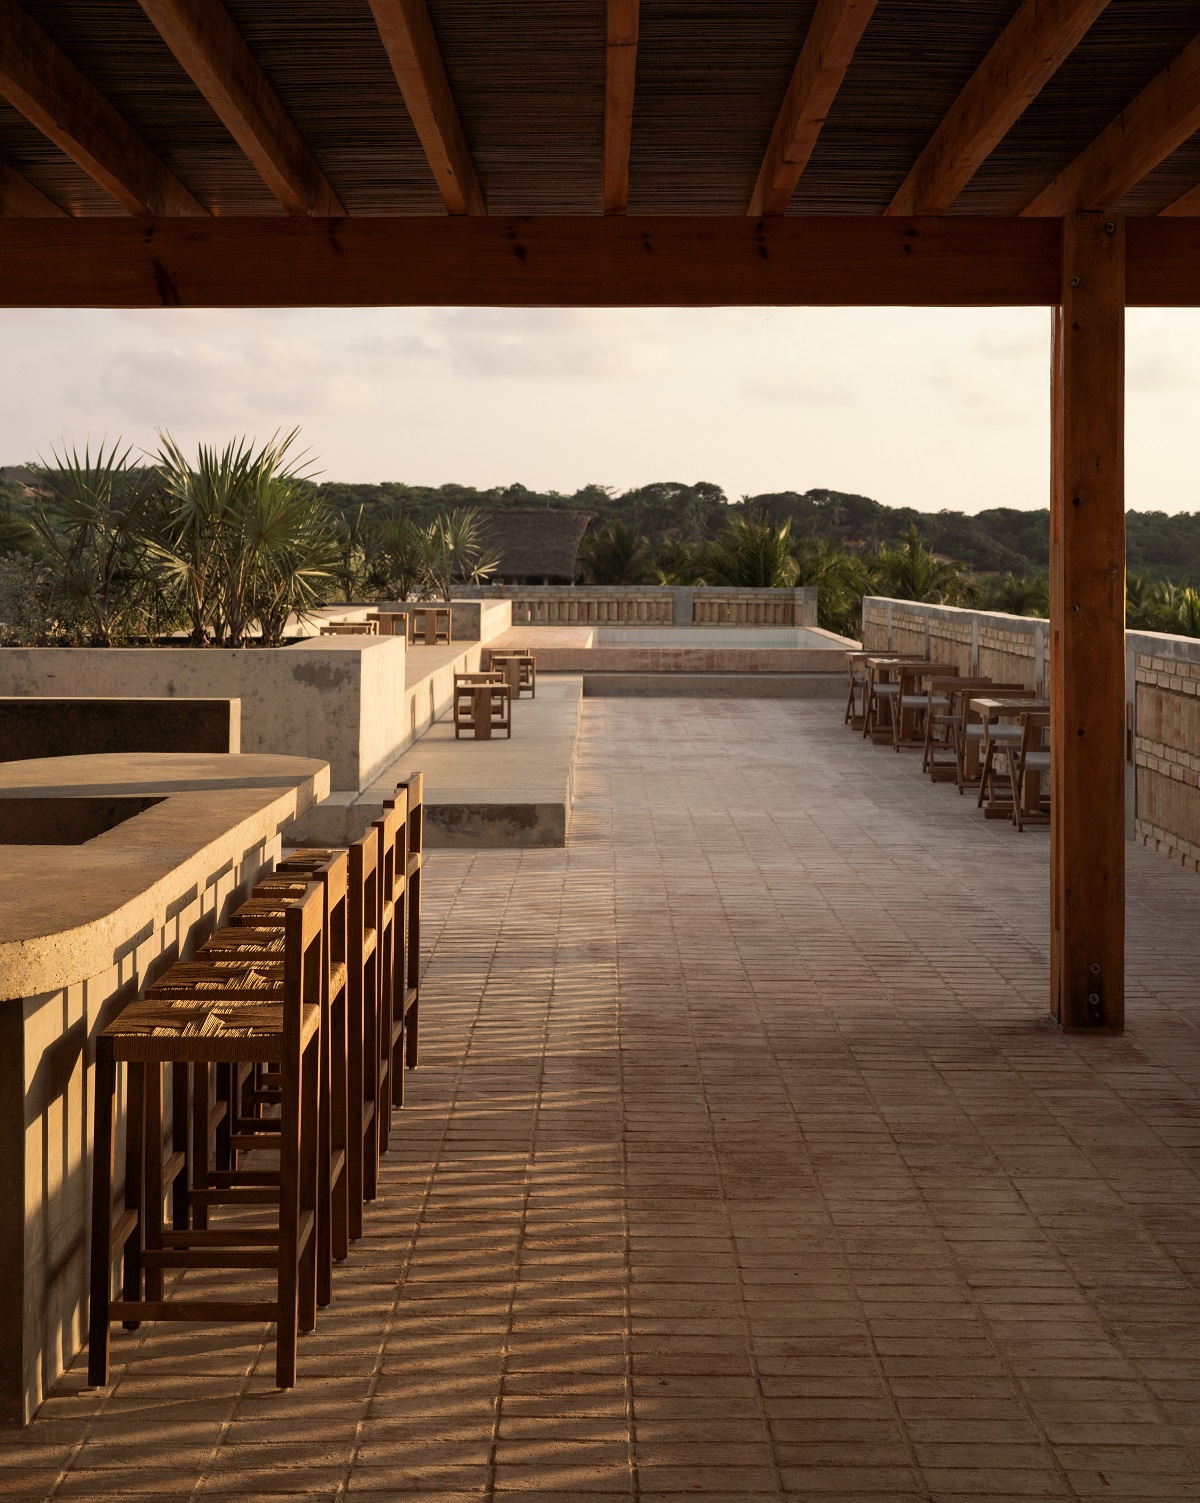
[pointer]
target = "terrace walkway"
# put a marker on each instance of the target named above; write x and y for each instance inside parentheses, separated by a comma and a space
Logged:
(739, 1164)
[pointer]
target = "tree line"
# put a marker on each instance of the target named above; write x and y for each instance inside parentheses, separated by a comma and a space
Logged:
(229, 544)
(223, 548)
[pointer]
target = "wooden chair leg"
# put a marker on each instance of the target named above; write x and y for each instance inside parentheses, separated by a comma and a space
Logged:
(323, 1152)
(371, 1126)
(288, 1316)
(308, 1188)
(200, 1158)
(152, 1191)
(356, 1102)
(135, 1135)
(179, 1145)
(102, 1194)
(340, 1137)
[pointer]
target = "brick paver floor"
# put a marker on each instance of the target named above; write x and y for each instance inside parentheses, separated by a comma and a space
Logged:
(740, 1163)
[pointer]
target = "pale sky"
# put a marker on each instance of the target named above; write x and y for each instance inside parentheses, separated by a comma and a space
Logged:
(915, 407)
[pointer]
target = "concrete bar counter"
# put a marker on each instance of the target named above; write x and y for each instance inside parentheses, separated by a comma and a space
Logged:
(111, 867)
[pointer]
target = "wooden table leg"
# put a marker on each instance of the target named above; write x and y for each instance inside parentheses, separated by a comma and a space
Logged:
(481, 712)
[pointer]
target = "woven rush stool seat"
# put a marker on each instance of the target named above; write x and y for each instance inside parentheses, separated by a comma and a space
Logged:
(196, 1017)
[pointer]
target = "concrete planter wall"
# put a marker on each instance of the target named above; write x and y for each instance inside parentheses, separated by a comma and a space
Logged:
(339, 699)
(1162, 691)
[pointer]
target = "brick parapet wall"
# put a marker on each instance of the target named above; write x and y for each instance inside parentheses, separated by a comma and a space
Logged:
(1167, 754)
(651, 605)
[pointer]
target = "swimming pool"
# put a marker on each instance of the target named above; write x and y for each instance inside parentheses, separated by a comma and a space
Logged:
(711, 636)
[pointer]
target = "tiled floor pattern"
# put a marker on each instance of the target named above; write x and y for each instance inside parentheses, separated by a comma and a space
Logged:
(739, 1164)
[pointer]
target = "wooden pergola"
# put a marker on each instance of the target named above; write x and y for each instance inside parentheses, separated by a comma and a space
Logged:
(259, 153)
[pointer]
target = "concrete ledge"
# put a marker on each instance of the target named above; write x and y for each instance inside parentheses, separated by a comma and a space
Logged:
(478, 794)
(716, 685)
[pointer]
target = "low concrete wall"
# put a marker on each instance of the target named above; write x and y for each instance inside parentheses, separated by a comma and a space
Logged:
(340, 699)
(654, 605)
(689, 660)
(42, 726)
(1162, 691)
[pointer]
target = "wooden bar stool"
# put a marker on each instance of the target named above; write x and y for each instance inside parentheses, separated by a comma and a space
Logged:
(257, 935)
(482, 704)
(389, 926)
(220, 1019)
(362, 998)
(414, 787)
(432, 624)
(362, 946)
(519, 670)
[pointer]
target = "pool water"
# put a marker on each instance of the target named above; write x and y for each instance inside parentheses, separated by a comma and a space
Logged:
(711, 636)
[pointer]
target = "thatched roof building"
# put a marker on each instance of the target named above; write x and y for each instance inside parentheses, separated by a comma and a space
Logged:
(536, 545)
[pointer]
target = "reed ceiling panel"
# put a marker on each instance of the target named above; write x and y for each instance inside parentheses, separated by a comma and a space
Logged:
(529, 82)
(48, 169)
(326, 62)
(113, 43)
(711, 77)
(1127, 46)
(914, 60)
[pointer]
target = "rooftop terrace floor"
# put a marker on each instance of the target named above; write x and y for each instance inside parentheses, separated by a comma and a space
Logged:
(740, 1163)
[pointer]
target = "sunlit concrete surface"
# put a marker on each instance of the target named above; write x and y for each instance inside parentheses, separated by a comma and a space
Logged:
(740, 1163)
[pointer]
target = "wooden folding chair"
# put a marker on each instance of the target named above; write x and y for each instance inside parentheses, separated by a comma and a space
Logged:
(1029, 765)
(911, 705)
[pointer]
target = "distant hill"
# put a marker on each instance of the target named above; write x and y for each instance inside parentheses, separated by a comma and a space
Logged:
(990, 542)
(993, 541)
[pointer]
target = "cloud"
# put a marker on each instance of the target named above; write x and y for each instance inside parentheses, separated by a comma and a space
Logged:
(799, 388)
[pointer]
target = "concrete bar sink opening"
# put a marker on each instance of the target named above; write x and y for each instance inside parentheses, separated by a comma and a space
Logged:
(65, 821)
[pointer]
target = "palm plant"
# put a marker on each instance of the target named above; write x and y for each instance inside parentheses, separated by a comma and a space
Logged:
(356, 540)
(911, 572)
(617, 554)
(754, 553)
(1187, 612)
(1027, 596)
(406, 553)
(459, 553)
(245, 537)
(91, 525)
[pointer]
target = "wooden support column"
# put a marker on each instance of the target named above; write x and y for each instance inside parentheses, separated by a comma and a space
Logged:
(1087, 620)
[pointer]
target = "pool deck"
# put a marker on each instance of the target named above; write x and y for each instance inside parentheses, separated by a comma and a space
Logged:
(740, 1163)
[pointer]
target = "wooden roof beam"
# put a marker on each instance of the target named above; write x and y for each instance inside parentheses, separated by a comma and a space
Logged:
(1185, 207)
(833, 36)
(620, 79)
(407, 35)
(1145, 133)
(19, 199)
(1026, 55)
(213, 53)
(53, 95)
